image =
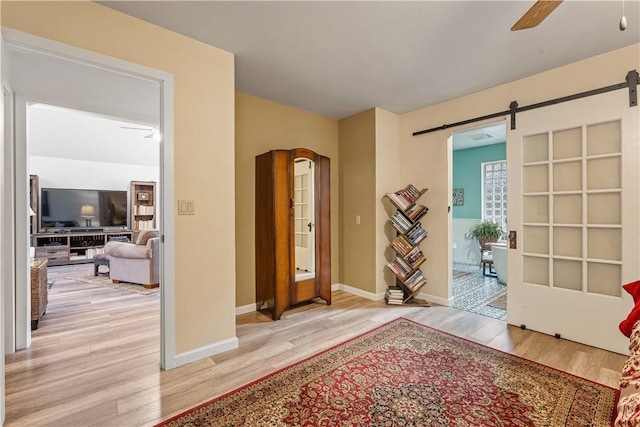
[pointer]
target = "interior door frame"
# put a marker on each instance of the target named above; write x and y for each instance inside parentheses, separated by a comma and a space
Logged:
(164, 79)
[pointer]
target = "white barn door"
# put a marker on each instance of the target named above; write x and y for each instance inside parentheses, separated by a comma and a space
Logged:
(573, 200)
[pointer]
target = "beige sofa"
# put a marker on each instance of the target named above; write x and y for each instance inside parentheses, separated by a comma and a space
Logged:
(137, 262)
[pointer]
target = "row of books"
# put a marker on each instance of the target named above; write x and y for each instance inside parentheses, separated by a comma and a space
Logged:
(416, 234)
(394, 295)
(416, 212)
(144, 210)
(401, 222)
(405, 197)
(402, 268)
(415, 281)
(401, 245)
(145, 225)
(414, 257)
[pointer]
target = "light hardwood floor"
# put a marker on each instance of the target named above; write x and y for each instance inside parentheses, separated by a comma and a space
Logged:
(94, 358)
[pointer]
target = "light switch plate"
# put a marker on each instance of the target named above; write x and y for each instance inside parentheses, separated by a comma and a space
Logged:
(186, 207)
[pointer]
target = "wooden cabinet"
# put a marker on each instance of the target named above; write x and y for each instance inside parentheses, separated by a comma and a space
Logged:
(143, 205)
(278, 284)
(408, 255)
(73, 248)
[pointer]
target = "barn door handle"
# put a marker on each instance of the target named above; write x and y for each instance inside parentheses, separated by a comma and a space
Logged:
(513, 239)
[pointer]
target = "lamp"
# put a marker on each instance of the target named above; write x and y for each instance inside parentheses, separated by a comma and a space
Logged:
(87, 212)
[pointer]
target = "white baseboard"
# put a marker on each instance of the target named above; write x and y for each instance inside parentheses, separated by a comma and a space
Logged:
(357, 292)
(206, 351)
(243, 309)
(436, 300)
(354, 291)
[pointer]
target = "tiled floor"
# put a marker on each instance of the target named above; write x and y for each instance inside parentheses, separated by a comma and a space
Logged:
(472, 292)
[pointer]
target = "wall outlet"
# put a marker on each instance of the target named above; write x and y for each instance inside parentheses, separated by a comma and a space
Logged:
(358, 219)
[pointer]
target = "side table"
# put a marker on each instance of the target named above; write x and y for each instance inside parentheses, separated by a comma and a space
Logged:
(39, 293)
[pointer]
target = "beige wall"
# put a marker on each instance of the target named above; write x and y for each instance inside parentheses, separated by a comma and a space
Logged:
(261, 126)
(203, 147)
(424, 158)
(358, 197)
(388, 179)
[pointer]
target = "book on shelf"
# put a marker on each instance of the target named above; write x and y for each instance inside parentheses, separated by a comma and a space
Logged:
(400, 267)
(401, 222)
(401, 245)
(415, 281)
(394, 295)
(416, 212)
(145, 225)
(416, 234)
(405, 197)
(144, 210)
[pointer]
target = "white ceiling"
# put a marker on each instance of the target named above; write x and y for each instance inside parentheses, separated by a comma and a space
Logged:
(339, 58)
(487, 135)
(79, 135)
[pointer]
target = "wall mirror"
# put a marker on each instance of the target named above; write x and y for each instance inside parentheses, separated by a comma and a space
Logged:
(304, 219)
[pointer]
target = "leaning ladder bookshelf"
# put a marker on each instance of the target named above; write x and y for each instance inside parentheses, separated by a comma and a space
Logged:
(408, 255)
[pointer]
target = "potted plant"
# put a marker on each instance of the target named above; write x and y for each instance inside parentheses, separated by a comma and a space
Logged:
(485, 232)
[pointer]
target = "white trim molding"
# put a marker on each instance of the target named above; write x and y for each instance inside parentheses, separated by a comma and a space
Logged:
(206, 351)
(436, 300)
(358, 292)
(244, 309)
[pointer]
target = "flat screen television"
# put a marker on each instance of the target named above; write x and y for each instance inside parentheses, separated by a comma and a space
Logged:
(66, 208)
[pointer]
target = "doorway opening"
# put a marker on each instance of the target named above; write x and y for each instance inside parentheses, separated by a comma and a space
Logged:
(479, 194)
(77, 87)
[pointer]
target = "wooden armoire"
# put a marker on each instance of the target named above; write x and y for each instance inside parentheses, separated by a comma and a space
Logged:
(276, 284)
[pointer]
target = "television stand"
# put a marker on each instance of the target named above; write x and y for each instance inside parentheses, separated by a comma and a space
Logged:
(73, 247)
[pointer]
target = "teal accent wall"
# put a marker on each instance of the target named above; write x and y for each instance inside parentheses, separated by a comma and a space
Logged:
(467, 175)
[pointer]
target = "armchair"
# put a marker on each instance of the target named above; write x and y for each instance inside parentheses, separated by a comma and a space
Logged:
(137, 262)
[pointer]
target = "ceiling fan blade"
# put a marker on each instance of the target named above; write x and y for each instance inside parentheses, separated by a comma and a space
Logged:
(534, 16)
(135, 128)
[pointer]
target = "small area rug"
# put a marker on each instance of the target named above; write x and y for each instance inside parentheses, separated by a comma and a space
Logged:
(106, 281)
(500, 302)
(458, 274)
(407, 374)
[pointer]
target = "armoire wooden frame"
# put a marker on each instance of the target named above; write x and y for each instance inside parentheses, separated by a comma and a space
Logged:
(275, 251)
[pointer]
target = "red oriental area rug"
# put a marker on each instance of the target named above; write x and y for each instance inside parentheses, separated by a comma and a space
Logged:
(407, 374)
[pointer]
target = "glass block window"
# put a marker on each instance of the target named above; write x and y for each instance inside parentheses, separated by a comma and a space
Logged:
(494, 192)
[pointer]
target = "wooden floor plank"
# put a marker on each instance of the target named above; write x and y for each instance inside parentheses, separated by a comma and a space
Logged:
(94, 359)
